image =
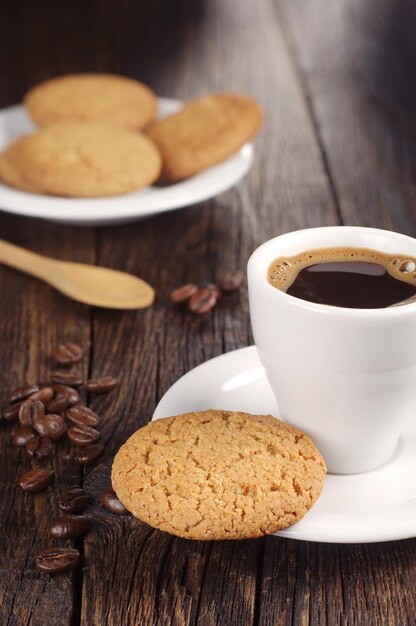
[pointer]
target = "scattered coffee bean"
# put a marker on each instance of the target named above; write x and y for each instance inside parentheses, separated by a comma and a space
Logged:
(30, 411)
(22, 435)
(73, 501)
(231, 281)
(101, 385)
(50, 425)
(39, 448)
(67, 353)
(44, 395)
(83, 416)
(11, 412)
(55, 560)
(36, 479)
(58, 403)
(70, 527)
(83, 435)
(87, 456)
(202, 301)
(110, 502)
(21, 393)
(183, 293)
(71, 379)
(72, 395)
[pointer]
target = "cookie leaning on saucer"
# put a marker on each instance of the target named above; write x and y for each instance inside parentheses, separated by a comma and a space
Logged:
(96, 97)
(89, 159)
(218, 475)
(10, 168)
(204, 132)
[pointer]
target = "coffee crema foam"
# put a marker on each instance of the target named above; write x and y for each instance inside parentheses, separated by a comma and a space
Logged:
(283, 271)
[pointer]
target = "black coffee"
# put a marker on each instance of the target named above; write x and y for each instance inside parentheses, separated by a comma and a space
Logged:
(346, 277)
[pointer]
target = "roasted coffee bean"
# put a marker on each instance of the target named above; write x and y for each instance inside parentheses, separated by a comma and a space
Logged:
(231, 281)
(83, 435)
(21, 393)
(202, 301)
(101, 385)
(71, 379)
(72, 395)
(183, 293)
(39, 448)
(67, 353)
(83, 416)
(110, 502)
(55, 560)
(73, 501)
(22, 435)
(50, 425)
(70, 527)
(58, 403)
(44, 395)
(30, 411)
(36, 479)
(87, 456)
(11, 412)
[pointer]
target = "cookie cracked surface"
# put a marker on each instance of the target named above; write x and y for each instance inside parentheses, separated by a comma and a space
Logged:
(218, 475)
(204, 132)
(88, 159)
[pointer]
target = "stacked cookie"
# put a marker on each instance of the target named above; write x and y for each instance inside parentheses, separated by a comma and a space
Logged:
(89, 142)
(98, 137)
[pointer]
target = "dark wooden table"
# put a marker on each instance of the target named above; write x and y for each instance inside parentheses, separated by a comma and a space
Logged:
(337, 82)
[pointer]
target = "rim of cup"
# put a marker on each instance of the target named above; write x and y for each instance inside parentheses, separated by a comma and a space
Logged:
(258, 265)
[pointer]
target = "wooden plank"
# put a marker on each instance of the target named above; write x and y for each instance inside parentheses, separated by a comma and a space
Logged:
(44, 40)
(277, 599)
(228, 594)
(194, 49)
(357, 62)
(354, 74)
(34, 318)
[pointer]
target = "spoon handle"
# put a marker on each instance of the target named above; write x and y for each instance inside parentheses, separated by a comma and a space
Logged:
(22, 259)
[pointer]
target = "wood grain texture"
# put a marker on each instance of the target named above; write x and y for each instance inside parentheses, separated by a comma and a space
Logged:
(286, 189)
(338, 143)
(33, 319)
(358, 70)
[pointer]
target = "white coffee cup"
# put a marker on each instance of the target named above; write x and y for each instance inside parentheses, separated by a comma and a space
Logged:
(347, 377)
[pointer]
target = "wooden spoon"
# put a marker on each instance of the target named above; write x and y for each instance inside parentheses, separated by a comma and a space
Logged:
(97, 286)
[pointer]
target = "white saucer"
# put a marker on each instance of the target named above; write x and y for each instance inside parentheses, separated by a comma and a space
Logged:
(118, 209)
(375, 506)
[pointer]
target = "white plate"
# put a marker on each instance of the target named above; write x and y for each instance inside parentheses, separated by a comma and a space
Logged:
(117, 209)
(375, 506)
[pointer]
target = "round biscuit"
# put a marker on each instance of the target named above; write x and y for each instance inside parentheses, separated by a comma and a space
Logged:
(89, 159)
(218, 475)
(97, 97)
(204, 132)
